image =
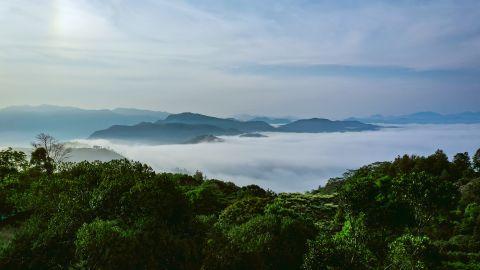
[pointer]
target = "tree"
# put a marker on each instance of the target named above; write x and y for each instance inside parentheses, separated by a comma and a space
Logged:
(476, 161)
(412, 252)
(123, 215)
(426, 195)
(41, 161)
(11, 161)
(435, 164)
(470, 192)
(207, 198)
(461, 164)
(54, 149)
(105, 245)
(199, 176)
(346, 249)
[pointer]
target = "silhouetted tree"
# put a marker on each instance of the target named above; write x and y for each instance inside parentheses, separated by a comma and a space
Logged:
(40, 160)
(476, 160)
(462, 165)
(54, 149)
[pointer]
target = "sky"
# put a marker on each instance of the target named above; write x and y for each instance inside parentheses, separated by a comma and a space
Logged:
(272, 57)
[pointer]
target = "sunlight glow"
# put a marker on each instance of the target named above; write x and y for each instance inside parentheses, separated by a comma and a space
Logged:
(74, 19)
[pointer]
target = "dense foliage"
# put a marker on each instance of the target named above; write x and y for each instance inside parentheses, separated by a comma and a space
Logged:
(412, 213)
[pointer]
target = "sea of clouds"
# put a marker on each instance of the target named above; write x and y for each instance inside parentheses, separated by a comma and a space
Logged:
(299, 162)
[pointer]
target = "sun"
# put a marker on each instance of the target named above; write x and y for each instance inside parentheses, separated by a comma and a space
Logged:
(73, 19)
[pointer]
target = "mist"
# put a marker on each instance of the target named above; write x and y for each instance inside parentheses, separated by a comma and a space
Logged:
(299, 162)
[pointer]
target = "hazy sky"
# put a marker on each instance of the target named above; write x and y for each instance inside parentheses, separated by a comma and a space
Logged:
(274, 57)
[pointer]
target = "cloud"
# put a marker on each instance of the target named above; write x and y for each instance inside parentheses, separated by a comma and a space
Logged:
(300, 162)
(359, 71)
(403, 33)
(188, 55)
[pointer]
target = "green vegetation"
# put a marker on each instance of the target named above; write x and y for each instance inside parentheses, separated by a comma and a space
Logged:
(412, 213)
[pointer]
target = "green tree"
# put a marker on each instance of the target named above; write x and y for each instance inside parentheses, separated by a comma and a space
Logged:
(347, 249)
(251, 236)
(462, 166)
(12, 162)
(207, 198)
(412, 252)
(105, 245)
(41, 161)
(476, 161)
(428, 196)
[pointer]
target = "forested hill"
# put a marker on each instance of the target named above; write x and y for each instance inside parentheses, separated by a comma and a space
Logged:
(317, 125)
(185, 127)
(200, 119)
(411, 213)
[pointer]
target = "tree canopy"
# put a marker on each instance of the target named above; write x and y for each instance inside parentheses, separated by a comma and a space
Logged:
(412, 213)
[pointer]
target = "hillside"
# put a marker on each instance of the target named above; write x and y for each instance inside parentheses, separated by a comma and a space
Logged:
(411, 213)
(424, 118)
(266, 119)
(200, 119)
(93, 154)
(161, 133)
(183, 127)
(317, 125)
(205, 139)
(272, 120)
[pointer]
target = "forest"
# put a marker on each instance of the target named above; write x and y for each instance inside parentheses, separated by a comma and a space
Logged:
(415, 212)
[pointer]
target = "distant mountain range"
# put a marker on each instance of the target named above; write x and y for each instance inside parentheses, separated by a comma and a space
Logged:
(266, 119)
(185, 127)
(69, 122)
(423, 118)
(226, 124)
(317, 125)
(160, 133)
(158, 127)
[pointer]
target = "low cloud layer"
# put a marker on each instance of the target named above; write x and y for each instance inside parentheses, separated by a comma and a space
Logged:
(300, 162)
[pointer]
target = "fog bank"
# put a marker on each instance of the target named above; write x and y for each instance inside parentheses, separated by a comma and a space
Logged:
(300, 162)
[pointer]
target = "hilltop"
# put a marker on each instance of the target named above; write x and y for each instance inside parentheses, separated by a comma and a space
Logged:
(184, 127)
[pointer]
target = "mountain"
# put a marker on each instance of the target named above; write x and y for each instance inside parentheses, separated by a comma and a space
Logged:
(205, 139)
(194, 128)
(317, 125)
(200, 119)
(253, 135)
(266, 119)
(93, 154)
(424, 118)
(138, 112)
(161, 133)
(68, 122)
(271, 120)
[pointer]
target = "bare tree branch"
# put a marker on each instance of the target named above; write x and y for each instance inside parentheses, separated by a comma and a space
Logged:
(55, 149)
